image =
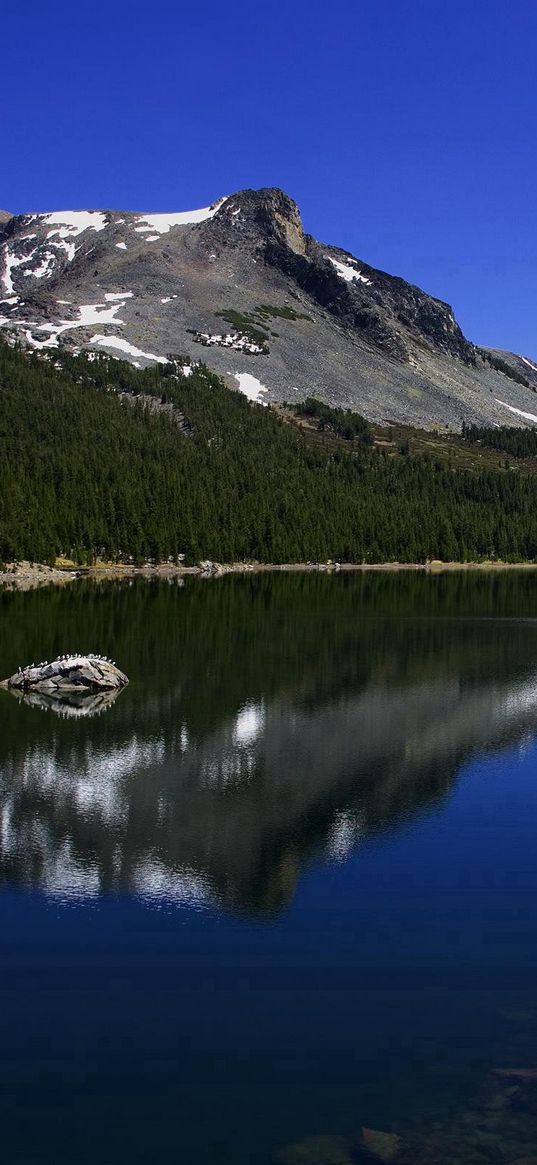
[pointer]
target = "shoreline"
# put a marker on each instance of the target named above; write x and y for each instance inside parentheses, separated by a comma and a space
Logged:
(28, 576)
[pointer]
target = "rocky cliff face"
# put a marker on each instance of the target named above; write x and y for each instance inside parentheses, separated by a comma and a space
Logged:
(242, 286)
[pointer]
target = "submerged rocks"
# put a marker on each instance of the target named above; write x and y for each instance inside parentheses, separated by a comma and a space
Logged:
(321, 1150)
(374, 1146)
(69, 673)
(380, 1146)
(520, 1075)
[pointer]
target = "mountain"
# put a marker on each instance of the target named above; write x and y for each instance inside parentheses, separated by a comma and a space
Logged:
(272, 310)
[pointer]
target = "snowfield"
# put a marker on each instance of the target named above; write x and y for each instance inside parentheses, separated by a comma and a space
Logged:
(251, 387)
(74, 222)
(88, 315)
(162, 223)
(519, 412)
(348, 273)
(124, 346)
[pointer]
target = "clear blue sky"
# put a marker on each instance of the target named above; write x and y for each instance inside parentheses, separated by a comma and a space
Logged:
(405, 129)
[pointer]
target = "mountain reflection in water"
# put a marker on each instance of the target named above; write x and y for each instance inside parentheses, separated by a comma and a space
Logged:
(267, 720)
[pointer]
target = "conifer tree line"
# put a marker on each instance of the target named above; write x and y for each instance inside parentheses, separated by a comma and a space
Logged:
(343, 422)
(517, 442)
(88, 470)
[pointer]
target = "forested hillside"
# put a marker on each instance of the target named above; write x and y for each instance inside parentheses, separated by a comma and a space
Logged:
(192, 468)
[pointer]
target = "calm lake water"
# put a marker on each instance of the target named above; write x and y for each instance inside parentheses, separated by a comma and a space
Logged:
(285, 885)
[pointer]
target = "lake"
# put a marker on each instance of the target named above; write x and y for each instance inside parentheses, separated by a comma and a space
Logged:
(284, 887)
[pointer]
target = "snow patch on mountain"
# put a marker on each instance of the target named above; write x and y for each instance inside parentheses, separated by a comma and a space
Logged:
(11, 262)
(348, 273)
(63, 242)
(89, 314)
(45, 268)
(74, 221)
(519, 412)
(162, 223)
(124, 346)
(251, 387)
(234, 340)
(99, 313)
(65, 226)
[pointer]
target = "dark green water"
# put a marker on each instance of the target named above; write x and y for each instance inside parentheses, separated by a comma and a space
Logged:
(285, 885)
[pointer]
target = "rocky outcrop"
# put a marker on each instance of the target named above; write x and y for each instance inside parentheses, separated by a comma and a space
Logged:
(69, 673)
(258, 217)
(377, 305)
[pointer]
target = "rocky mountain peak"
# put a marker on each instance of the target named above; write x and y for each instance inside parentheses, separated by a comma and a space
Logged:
(264, 216)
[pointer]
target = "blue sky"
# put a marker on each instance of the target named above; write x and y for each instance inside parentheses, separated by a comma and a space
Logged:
(405, 129)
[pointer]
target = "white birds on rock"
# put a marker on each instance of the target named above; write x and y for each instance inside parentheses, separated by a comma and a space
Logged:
(70, 673)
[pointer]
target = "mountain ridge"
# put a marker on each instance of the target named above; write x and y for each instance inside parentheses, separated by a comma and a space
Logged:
(301, 317)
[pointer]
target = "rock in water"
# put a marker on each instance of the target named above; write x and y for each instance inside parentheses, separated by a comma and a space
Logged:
(69, 673)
